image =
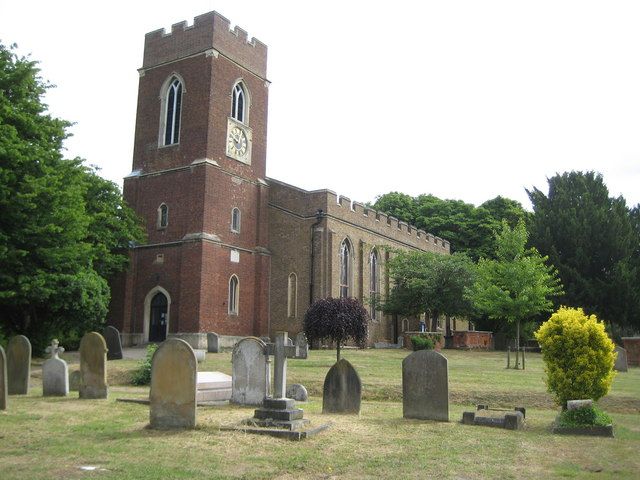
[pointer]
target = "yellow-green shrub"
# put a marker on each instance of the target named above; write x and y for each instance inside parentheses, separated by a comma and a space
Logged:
(578, 355)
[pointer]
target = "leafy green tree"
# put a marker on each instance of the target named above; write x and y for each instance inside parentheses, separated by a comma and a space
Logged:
(58, 240)
(517, 284)
(427, 282)
(469, 229)
(594, 242)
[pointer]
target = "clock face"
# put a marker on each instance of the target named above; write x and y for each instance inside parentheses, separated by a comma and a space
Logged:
(237, 142)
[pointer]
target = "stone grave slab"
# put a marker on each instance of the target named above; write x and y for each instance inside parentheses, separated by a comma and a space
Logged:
(18, 365)
(251, 372)
(425, 386)
(342, 389)
(3, 380)
(114, 343)
(509, 419)
(213, 387)
(621, 364)
(55, 373)
(173, 386)
(93, 366)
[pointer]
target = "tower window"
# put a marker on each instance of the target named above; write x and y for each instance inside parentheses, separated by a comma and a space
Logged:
(235, 220)
(239, 103)
(233, 295)
(345, 269)
(173, 105)
(163, 216)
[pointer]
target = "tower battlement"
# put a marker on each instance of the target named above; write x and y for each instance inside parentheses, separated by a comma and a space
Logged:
(209, 31)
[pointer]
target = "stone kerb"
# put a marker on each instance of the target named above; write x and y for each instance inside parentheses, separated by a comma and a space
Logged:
(3, 380)
(93, 366)
(251, 374)
(425, 386)
(18, 365)
(114, 344)
(173, 386)
(342, 391)
(55, 373)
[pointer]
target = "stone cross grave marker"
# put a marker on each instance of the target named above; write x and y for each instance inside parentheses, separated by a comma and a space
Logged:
(114, 344)
(425, 386)
(18, 365)
(250, 377)
(55, 373)
(93, 366)
(281, 350)
(3, 379)
(172, 397)
(342, 390)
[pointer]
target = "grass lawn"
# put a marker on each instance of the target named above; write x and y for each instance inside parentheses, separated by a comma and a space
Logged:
(47, 438)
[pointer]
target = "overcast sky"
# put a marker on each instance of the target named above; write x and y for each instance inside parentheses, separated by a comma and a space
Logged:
(460, 99)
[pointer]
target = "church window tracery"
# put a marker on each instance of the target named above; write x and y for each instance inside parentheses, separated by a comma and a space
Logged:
(239, 103)
(346, 268)
(234, 291)
(172, 109)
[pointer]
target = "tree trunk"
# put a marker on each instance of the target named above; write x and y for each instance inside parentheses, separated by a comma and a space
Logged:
(434, 322)
(517, 344)
(338, 352)
(448, 328)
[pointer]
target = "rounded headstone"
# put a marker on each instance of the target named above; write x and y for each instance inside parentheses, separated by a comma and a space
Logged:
(173, 386)
(3, 380)
(621, 364)
(425, 386)
(297, 392)
(250, 376)
(93, 366)
(18, 365)
(55, 378)
(74, 380)
(213, 342)
(114, 344)
(342, 390)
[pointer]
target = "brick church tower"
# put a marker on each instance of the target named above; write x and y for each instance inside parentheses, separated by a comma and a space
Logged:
(198, 182)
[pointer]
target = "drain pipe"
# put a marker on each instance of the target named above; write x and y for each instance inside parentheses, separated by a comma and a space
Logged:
(319, 217)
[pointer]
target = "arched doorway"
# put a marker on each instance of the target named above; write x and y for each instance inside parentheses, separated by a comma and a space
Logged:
(158, 318)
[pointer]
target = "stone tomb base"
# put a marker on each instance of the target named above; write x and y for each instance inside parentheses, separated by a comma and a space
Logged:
(496, 417)
(213, 387)
(278, 417)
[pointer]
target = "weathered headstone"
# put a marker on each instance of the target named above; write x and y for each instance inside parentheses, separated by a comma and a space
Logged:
(3, 380)
(93, 366)
(18, 365)
(74, 380)
(621, 364)
(200, 354)
(297, 392)
(114, 344)
(576, 404)
(425, 386)
(342, 389)
(55, 373)
(251, 374)
(213, 342)
(173, 386)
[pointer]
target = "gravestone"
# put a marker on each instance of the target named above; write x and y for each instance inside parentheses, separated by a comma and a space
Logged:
(425, 386)
(74, 380)
(213, 342)
(342, 389)
(18, 365)
(576, 404)
(621, 364)
(114, 344)
(297, 392)
(3, 380)
(93, 366)
(173, 386)
(55, 373)
(250, 377)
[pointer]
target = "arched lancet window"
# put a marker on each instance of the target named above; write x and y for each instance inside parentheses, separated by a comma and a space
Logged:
(292, 296)
(239, 103)
(173, 105)
(235, 220)
(374, 283)
(345, 269)
(234, 293)
(163, 216)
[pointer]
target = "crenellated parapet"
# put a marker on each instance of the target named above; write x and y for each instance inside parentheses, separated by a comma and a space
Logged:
(209, 31)
(305, 204)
